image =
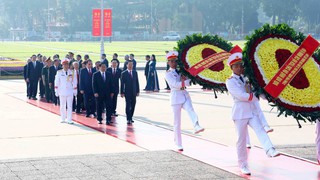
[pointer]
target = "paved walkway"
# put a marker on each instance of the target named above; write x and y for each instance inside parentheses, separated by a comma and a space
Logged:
(30, 132)
(138, 165)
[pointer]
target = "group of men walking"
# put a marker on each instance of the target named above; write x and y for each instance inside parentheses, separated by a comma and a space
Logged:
(78, 86)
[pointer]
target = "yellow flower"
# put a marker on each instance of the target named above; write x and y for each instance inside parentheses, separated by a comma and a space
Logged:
(265, 57)
(194, 55)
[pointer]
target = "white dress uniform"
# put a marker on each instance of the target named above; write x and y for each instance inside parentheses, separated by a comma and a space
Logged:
(244, 113)
(318, 139)
(66, 87)
(180, 98)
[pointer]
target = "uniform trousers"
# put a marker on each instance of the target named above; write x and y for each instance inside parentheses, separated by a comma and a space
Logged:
(176, 108)
(114, 101)
(66, 107)
(264, 123)
(318, 139)
(242, 131)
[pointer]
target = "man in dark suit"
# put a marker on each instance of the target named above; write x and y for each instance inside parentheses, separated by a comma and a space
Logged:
(129, 59)
(79, 60)
(86, 88)
(71, 58)
(146, 69)
(115, 77)
(41, 86)
(52, 74)
(103, 92)
(104, 60)
(115, 57)
(25, 70)
(33, 76)
(130, 90)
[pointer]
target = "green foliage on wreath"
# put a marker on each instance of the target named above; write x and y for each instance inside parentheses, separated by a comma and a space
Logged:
(284, 30)
(195, 39)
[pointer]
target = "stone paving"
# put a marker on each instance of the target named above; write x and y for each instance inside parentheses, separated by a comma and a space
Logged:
(135, 165)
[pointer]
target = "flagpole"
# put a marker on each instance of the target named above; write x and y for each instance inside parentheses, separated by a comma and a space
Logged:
(102, 23)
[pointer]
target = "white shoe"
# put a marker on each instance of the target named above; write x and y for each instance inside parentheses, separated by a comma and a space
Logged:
(245, 170)
(70, 122)
(248, 146)
(273, 153)
(179, 148)
(268, 129)
(198, 129)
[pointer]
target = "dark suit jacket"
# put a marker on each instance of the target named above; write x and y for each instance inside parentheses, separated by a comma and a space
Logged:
(86, 80)
(25, 69)
(106, 62)
(34, 73)
(52, 73)
(129, 85)
(115, 79)
(146, 69)
(134, 64)
(103, 88)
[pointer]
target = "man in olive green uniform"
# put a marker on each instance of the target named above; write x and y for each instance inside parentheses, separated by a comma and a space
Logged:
(45, 80)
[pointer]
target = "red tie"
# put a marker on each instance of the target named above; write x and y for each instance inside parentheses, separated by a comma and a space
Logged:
(131, 74)
(90, 72)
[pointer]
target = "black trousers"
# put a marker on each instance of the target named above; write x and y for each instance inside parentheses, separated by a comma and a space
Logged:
(114, 102)
(89, 102)
(33, 87)
(28, 89)
(55, 99)
(41, 88)
(48, 93)
(103, 103)
(130, 105)
(78, 102)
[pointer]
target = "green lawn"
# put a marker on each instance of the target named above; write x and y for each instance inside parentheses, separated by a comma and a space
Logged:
(23, 50)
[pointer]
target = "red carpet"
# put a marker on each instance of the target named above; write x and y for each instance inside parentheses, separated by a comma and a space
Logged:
(151, 137)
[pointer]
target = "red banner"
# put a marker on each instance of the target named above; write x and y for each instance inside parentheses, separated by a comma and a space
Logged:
(291, 67)
(96, 22)
(208, 62)
(107, 22)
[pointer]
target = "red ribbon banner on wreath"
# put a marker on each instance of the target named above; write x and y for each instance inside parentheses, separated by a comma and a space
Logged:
(291, 67)
(208, 62)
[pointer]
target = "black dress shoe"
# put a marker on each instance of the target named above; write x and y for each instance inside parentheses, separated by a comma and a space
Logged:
(87, 115)
(108, 123)
(94, 115)
(34, 98)
(29, 97)
(129, 122)
(78, 112)
(100, 122)
(132, 121)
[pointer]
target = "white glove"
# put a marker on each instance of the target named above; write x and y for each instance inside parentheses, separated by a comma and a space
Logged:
(187, 82)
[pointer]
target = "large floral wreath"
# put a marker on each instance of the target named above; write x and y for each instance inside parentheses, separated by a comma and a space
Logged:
(265, 52)
(195, 48)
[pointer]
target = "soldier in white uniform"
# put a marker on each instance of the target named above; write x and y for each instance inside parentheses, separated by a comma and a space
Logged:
(318, 140)
(243, 112)
(65, 88)
(180, 98)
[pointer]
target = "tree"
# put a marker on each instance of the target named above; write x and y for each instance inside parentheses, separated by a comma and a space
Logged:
(311, 14)
(283, 11)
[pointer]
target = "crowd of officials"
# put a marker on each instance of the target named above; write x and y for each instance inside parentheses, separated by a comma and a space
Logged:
(97, 84)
